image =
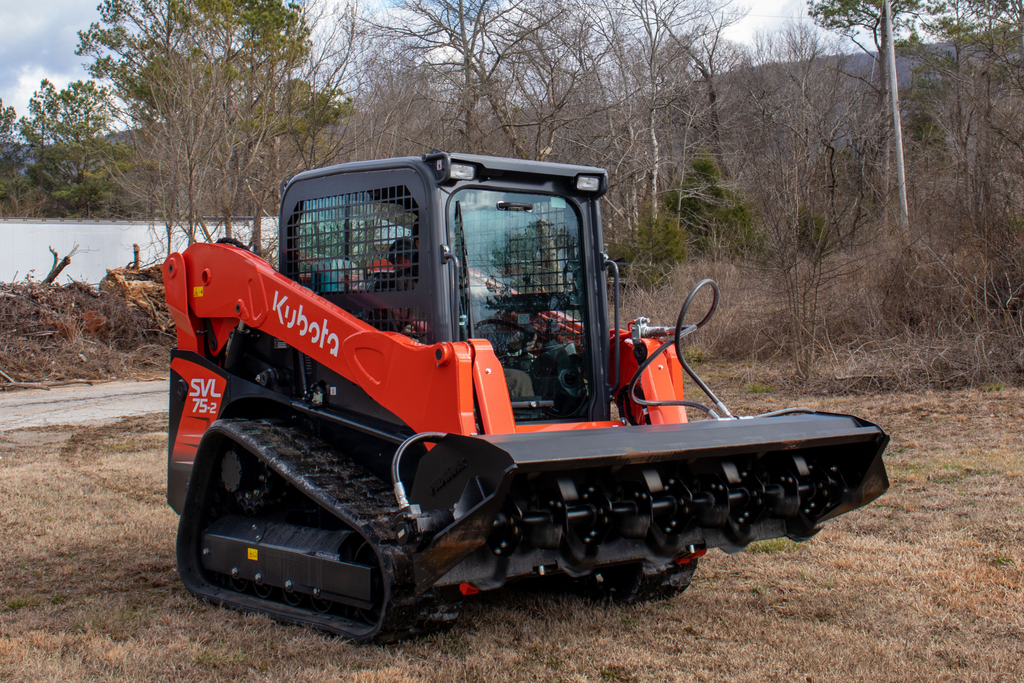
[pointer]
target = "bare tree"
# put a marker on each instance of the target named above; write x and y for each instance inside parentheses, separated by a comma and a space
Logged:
(465, 47)
(862, 22)
(802, 174)
(317, 100)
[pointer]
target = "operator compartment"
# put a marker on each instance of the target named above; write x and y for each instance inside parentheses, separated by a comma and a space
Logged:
(500, 251)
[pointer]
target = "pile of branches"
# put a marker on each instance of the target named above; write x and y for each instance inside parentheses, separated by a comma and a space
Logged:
(143, 290)
(53, 334)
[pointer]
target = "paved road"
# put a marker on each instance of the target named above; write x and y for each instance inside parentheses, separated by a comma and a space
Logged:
(81, 404)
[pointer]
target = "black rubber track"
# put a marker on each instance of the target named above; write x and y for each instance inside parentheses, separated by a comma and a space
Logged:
(337, 484)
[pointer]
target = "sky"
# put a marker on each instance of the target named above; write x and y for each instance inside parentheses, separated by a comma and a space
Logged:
(38, 39)
(765, 15)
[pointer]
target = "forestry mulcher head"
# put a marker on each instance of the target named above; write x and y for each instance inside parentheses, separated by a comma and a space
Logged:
(657, 493)
(419, 407)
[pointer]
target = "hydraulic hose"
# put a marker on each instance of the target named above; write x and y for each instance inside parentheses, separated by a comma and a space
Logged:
(785, 411)
(403, 501)
(681, 331)
(639, 401)
(679, 338)
(615, 270)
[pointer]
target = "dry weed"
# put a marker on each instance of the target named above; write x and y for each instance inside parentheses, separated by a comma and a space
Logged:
(890, 320)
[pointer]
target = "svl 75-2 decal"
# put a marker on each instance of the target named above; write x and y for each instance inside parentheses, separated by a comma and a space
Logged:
(202, 394)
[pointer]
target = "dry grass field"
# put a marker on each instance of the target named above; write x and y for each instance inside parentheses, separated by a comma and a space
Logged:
(923, 585)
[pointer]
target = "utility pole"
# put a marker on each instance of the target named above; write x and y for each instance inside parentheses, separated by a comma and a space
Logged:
(901, 179)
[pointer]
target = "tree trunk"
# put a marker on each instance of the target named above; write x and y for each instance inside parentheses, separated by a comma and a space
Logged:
(656, 162)
(257, 230)
(59, 265)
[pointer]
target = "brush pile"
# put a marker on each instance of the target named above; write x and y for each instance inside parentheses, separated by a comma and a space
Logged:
(143, 290)
(57, 334)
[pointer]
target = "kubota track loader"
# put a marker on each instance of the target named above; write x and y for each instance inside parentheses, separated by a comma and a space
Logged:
(419, 405)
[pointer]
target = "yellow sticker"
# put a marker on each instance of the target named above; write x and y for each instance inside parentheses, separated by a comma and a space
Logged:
(253, 554)
(197, 292)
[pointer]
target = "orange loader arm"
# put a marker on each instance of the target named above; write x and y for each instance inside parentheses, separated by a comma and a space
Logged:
(430, 387)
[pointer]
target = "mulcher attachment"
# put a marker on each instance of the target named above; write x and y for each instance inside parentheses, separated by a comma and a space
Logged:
(279, 522)
(489, 508)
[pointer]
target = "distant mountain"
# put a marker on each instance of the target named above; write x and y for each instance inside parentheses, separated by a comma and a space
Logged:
(862, 64)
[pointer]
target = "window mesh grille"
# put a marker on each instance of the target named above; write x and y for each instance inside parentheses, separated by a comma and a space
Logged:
(409, 321)
(529, 264)
(521, 287)
(363, 242)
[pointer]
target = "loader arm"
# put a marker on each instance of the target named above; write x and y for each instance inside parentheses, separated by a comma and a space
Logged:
(226, 286)
(211, 288)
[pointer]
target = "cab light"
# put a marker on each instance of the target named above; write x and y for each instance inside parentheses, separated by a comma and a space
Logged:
(462, 172)
(587, 183)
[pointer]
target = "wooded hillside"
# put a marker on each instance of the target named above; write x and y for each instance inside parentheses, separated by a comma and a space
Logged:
(769, 166)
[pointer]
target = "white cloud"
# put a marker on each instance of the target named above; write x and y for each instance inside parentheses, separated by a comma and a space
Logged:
(766, 15)
(28, 81)
(38, 39)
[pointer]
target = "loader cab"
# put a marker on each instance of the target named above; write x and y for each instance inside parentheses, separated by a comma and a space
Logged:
(450, 247)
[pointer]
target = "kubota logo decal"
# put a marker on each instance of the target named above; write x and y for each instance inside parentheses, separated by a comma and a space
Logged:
(202, 392)
(318, 333)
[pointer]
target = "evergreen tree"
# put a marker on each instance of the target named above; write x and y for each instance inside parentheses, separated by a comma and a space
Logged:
(715, 217)
(69, 148)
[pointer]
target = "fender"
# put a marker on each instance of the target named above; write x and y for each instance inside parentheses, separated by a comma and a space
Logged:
(199, 390)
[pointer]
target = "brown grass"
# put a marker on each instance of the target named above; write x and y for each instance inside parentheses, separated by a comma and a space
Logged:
(926, 584)
(888, 319)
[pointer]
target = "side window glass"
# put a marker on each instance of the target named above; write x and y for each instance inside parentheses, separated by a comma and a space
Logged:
(358, 242)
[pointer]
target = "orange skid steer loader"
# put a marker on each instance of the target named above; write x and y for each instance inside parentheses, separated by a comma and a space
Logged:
(427, 400)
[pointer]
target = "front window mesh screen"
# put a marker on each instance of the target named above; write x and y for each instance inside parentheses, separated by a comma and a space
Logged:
(360, 243)
(521, 288)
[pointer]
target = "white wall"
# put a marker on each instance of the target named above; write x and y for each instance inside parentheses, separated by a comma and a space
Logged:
(24, 246)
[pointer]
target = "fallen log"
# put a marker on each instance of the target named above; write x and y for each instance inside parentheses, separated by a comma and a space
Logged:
(46, 386)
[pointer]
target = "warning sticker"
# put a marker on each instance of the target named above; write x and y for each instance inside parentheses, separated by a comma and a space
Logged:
(197, 292)
(253, 554)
